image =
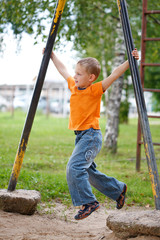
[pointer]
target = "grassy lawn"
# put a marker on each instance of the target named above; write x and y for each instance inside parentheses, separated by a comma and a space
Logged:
(49, 148)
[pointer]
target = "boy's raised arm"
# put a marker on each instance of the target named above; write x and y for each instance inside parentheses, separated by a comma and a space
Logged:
(118, 72)
(106, 83)
(60, 66)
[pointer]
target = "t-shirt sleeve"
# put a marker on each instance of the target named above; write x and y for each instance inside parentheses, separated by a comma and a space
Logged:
(71, 82)
(97, 89)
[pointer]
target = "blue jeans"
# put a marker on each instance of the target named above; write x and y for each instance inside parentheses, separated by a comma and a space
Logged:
(81, 170)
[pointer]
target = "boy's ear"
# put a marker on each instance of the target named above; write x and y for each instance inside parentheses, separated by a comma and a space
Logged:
(92, 77)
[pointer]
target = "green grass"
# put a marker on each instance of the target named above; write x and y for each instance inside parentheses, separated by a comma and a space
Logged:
(49, 148)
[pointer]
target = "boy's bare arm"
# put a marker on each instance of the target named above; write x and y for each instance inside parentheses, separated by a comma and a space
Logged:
(115, 75)
(60, 66)
(118, 72)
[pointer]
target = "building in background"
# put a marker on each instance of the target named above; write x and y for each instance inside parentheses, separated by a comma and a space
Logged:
(54, 97)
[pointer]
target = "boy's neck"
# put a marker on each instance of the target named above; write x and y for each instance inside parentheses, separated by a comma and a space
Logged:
(80, 88)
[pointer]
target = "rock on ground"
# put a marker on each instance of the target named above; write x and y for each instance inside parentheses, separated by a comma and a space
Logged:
(19, 201)
(127, 224)
(56, 222)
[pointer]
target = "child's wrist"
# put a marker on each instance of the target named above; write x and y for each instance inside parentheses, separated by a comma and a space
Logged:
(52, 56)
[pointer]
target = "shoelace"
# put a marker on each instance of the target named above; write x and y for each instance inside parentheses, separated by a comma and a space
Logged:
(86, 206)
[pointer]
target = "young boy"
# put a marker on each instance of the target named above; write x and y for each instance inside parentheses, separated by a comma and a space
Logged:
(84, 120)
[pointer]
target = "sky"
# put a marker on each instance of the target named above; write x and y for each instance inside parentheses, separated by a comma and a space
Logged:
(23, 66)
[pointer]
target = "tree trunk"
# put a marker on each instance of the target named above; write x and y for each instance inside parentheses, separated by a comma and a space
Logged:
(111, 134)
(104, 71)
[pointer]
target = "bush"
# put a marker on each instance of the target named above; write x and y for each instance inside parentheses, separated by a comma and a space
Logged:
(124, 110)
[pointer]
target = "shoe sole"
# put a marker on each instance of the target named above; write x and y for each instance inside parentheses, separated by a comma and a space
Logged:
(124, 198)
(94, 209)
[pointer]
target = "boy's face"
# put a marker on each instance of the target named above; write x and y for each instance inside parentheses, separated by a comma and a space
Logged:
(82, 78)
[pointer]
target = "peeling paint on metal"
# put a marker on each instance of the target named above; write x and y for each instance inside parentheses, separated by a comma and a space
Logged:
(119, 5)
(147, 152)
(153, 183)
(151, 174)
(58, 13)
(18, 161)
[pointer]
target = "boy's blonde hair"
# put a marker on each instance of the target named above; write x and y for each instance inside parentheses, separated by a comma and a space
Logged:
(92, 66)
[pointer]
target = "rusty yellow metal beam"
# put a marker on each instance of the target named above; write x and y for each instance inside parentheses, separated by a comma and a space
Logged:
(36, 95)
(141, 107)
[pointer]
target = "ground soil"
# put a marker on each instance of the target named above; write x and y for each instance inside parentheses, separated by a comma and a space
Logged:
(57, 223)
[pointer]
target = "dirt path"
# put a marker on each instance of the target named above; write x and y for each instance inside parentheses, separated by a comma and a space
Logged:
(59, 224)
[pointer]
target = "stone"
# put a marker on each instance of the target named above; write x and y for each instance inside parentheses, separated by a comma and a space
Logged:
(19, 201)
(127, 224)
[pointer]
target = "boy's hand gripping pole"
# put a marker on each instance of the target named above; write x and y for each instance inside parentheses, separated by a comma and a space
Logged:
(141, 107)
(36, 95)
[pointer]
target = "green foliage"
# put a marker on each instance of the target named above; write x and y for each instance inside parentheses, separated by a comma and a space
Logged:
(24, 16)
(90, 25)
(86, 23)
(49, 148)
(124, 110)
(152, 54)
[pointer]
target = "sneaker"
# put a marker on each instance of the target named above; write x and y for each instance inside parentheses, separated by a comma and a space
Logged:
(86, 210)
(121, 200)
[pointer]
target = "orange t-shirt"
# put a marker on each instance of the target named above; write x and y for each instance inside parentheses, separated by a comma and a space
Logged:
(84, 106)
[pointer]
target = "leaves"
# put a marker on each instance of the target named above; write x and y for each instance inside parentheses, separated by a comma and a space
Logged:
(90, 25)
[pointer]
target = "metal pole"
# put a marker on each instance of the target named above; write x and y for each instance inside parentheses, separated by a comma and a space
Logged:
(143, 49)
(141, 107)
(36, 95)
(138, 153)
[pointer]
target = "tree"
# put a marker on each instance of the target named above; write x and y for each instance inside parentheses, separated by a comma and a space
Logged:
(152, 55)
(111, 135)
(91, 25)
(29, 16)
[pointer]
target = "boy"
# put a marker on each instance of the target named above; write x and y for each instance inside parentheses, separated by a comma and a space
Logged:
(84, 120)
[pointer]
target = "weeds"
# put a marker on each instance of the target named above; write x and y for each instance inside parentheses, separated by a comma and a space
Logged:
(49, 148)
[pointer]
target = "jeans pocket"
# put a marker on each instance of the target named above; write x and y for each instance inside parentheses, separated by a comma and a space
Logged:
(94, 147)
(89, 156)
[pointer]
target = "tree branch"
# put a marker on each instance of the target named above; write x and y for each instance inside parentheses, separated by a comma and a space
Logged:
(155, 20)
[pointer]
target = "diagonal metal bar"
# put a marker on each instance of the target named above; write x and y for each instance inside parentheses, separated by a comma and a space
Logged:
(36, 95)
(141, 107)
